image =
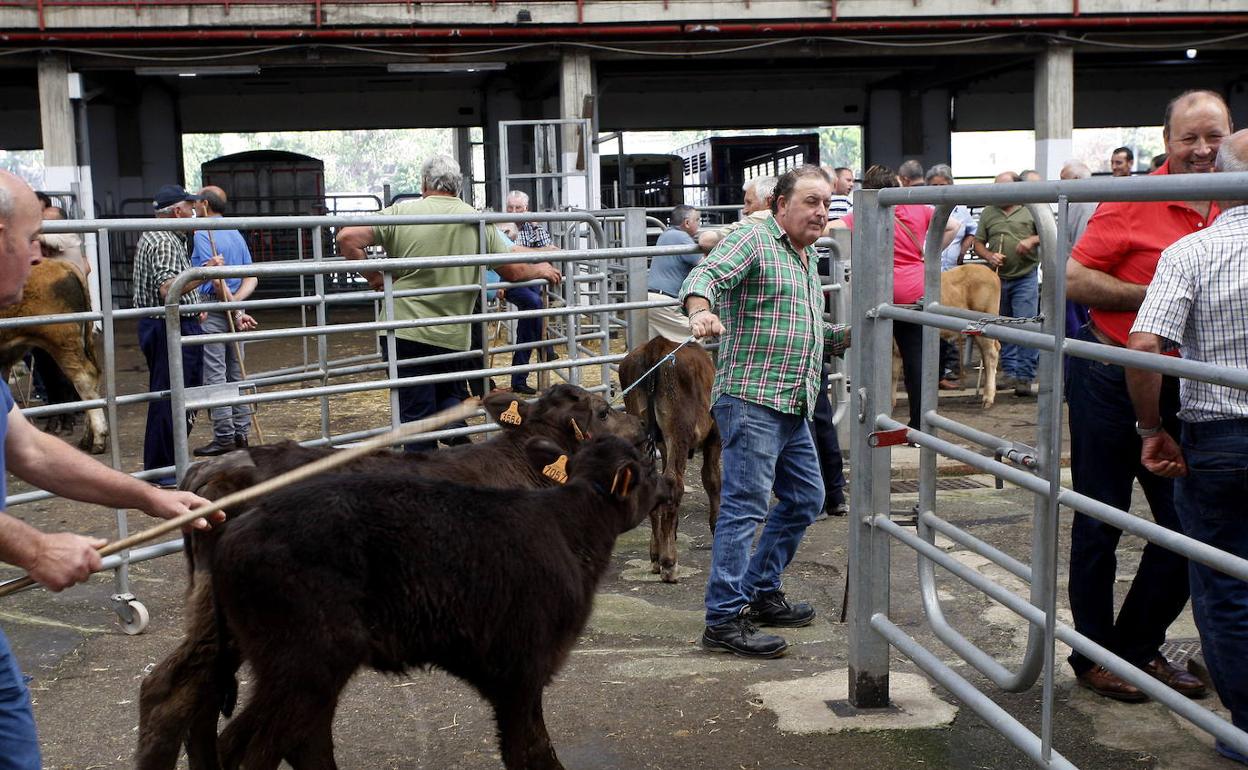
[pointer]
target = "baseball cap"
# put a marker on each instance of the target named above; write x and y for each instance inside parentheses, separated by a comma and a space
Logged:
(171, 194)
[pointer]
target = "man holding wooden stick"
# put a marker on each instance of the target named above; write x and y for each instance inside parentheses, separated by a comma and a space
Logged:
(56, 560)
(224, 362)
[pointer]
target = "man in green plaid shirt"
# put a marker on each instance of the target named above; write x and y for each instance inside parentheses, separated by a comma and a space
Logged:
(764, 282)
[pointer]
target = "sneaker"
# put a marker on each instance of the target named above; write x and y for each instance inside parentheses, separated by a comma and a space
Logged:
(840, 509)
(213, 449)
(772, 609)
(741, 637)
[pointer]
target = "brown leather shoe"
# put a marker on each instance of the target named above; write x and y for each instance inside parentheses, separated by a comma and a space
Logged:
(1102, 681)
(950, 384)
(1175, 678)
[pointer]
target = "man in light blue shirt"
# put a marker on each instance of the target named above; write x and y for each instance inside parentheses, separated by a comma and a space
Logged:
(230, 424)
(667, 273)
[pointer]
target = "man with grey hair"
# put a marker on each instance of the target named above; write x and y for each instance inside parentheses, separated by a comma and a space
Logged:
(755, 209)
(910, 173)
(668, 272)
(56, 560)
(1195, 301)
(441, 182)
(529, 235)
(159, 257)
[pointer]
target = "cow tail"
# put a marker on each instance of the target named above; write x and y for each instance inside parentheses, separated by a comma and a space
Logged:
(88, 344)
(226, 664)
(652, 418)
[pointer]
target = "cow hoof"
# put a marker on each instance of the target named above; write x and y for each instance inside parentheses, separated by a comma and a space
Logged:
(654, 568)
(90, 444)
(669, 574)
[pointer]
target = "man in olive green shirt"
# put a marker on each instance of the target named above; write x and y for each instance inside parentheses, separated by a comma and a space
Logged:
(441, 182)
(1006, 238)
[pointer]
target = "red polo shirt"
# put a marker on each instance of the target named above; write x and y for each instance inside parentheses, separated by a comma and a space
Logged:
(1126, 239)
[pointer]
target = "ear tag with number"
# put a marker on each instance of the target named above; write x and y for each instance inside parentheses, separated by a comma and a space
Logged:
(557, 471)
(512, 415)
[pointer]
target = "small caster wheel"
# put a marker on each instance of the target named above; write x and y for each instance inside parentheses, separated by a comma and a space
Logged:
(138, 618)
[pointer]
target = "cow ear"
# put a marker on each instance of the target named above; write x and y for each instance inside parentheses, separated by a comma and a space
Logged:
(505, 409)
(625, 477)
(546, 456)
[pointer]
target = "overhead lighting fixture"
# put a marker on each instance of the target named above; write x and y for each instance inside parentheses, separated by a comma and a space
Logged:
(447, 67)
(1191, 53)
(190, 71)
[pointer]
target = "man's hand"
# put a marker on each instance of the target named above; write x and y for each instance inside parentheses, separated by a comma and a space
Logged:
(549, 272)
(172, 503)
(244, 322)
(64, 559)
(1161, 455)
(704, 323)
(996, 259)
(1027, 245)
(510, 229)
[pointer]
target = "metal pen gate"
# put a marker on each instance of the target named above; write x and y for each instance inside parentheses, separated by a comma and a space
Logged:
(1037, 470)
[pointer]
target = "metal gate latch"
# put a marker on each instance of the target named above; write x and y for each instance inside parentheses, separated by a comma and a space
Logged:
(888, 437)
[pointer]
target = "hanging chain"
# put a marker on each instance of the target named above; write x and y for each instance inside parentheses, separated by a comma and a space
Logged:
(976, 328)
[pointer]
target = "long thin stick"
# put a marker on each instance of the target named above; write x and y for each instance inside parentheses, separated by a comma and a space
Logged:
(301, 473)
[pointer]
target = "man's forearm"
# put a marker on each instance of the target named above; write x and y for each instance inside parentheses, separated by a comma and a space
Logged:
(19, 542)
(1098, 289)
(1143, 385)
(695, 303)
(51, 464)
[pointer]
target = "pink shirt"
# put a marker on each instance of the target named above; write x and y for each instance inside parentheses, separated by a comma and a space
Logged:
(907, 251)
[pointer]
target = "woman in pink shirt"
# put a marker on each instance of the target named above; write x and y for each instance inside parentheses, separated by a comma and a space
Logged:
(910, 223)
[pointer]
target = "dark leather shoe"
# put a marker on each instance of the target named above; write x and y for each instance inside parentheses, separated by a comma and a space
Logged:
(213, 449)
(1102, 681)
(240, 441)
(1175, 678)
(523, 390)
(772, 609)
(741, 637)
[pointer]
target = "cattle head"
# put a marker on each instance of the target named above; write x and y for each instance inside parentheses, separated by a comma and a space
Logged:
(566, 414)
(616, 471)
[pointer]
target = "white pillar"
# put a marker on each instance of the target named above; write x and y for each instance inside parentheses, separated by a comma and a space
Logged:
(1054, 96)
(576, 93)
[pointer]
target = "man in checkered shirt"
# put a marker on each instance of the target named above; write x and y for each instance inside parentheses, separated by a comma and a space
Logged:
(763, 281)
(159, 258)
(1199, 300)
(533, 236)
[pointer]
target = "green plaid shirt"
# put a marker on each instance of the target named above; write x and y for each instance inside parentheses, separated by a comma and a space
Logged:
(771, 309)
(160, 255)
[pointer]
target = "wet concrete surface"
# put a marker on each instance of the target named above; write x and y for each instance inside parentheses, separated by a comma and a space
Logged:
(638, 692)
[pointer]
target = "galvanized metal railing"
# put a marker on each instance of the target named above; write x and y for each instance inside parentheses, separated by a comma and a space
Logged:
(1038, 471)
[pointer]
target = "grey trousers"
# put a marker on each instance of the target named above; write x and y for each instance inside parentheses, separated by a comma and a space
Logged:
(222, 365)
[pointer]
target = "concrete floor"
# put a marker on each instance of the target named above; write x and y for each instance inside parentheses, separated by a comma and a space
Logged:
(638, 692)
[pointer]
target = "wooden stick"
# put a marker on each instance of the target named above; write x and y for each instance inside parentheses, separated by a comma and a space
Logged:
(464, 410)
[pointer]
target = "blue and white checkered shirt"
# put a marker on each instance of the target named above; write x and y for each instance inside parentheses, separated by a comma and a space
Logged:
(533, 236)
(1199, 299)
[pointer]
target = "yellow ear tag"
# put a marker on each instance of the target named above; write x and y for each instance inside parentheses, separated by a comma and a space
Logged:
(577, 430)
(556, 471)
(623, 478)
(512, 415)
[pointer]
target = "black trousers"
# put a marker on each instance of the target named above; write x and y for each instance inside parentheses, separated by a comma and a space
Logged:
(909, 338)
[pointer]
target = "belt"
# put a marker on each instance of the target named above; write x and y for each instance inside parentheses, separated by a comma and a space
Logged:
(664, 293)
(1102, 336)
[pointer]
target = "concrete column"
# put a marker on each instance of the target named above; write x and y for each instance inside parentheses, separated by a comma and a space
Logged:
(576, 93)
(934, 111)
(56, 120)
(1054, 96)
(883, 128)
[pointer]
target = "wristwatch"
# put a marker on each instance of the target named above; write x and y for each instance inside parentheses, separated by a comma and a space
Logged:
(1143, 432)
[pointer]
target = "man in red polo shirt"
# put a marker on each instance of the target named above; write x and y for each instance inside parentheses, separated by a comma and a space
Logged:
(1109, 270)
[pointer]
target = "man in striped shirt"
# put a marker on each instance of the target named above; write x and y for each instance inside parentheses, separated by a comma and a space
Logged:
(1197, 300)
(763, 283)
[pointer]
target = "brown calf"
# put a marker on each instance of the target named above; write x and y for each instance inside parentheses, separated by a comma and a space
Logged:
(675, 404)
(56, 287)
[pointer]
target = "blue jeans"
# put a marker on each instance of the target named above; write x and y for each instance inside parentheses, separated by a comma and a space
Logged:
(1212, 506)
(527, 329)
(158, 448)
(19, 748)
(1104, 464)
(1020, 298)
(764, 450)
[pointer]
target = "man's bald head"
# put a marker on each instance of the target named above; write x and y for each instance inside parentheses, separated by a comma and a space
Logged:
(1189, 100)
(1196, 123)
(20, 220)
(1233, 156)
(215, 198)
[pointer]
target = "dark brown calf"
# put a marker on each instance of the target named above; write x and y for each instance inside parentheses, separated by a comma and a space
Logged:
(420, 573)
(179, 701)
(55, 287)
(675, 404)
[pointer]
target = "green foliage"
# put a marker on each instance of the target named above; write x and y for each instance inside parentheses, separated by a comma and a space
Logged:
(27, 164)
(841, 146)
(355, 161)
